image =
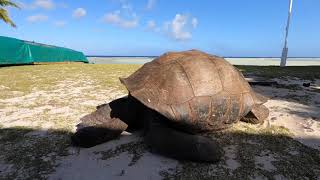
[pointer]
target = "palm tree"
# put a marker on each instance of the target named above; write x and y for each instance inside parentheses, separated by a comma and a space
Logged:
(4, 13)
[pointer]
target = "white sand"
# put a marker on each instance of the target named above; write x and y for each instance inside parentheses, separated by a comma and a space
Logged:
(264, 161)
(235, 61)
(303, 120)
(87, 164)
(230, 154)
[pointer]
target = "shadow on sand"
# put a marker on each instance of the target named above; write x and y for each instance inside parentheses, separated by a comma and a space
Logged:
(14, 65)
(270, 152)
(304, 106)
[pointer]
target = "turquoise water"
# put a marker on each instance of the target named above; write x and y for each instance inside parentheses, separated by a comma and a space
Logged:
(119, 60)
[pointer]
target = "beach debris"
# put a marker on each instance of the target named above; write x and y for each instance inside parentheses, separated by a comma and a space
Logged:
(258, 81)
(306, 84)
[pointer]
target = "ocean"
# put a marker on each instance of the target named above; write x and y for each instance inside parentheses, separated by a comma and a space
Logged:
(258, 61)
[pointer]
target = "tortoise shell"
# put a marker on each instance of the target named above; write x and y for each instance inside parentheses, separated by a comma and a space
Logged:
(195, 90)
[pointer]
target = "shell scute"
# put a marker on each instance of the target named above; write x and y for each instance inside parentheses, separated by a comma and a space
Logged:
(203, 76)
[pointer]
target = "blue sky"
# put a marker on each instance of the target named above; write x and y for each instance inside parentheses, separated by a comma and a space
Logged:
(151, 27)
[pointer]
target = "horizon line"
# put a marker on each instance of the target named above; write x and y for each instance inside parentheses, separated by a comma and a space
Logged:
(220, 56)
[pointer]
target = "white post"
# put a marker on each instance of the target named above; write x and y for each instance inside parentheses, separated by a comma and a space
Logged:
(285, 48)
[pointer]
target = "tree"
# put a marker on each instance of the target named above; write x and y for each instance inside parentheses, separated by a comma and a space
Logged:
(4, 13)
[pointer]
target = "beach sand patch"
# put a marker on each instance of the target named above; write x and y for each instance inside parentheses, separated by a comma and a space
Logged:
(118, 159)
(264, 161)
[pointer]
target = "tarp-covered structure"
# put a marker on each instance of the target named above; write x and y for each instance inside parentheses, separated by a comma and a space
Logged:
(14, 51)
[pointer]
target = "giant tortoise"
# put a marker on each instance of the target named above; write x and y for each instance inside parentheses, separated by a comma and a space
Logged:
(177, 97)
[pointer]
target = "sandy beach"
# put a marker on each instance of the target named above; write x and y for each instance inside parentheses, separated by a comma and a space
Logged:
(39, 112)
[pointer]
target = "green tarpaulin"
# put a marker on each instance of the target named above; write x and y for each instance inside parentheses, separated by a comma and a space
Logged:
(15, 51)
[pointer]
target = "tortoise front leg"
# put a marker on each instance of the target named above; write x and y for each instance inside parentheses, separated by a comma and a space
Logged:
(98, 127)
(178, 144)
(106, 123)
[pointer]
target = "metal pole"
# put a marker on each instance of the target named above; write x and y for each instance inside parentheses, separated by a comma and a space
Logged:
(285, 48)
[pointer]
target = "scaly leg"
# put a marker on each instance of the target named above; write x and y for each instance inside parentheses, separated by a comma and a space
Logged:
(106, 123)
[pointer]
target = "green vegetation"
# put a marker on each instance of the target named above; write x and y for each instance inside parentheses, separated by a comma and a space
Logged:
(27, 79)
(31, 156)
(302, 72)
(4, 13)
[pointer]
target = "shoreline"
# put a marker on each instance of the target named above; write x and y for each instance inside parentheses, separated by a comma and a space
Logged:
(234, 61)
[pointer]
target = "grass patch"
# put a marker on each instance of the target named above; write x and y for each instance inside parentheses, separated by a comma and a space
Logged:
(302, 72)
(31, 156)
(304, 99)
(25, 79)
(293, 87)
(135, 149)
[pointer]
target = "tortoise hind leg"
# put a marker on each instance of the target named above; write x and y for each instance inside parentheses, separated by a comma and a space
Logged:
(257, 115)
(179, 145)
(106, 123)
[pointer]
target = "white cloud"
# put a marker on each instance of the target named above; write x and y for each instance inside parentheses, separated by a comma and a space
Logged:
(178, 24)
(60, 23)
(194, 22)
(180, 28)
(152, 26)
(150, 4)
(45, 4)
(116, 19)
(79, 12)
(37, 18)
(42, 4)
(125, 17)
